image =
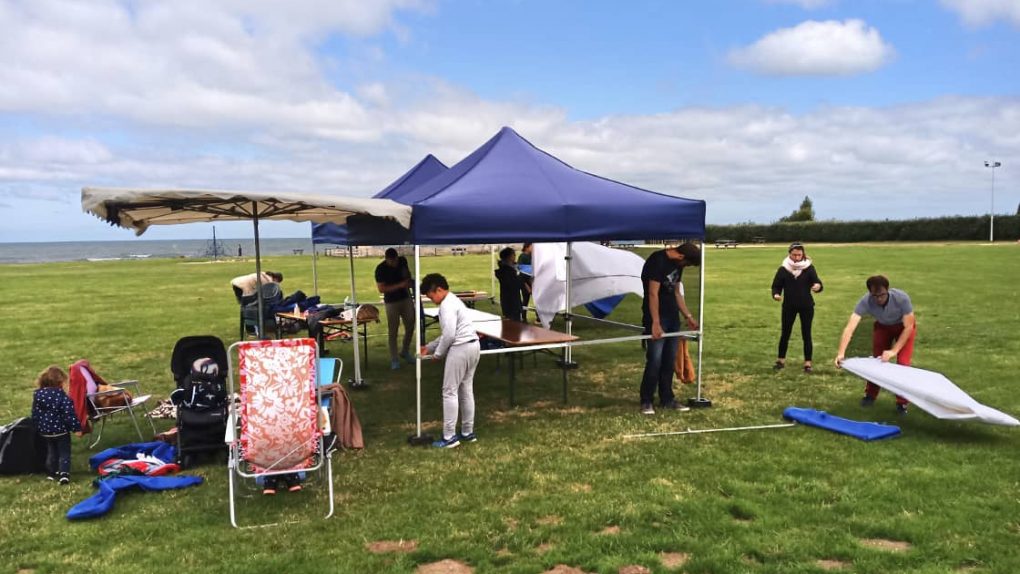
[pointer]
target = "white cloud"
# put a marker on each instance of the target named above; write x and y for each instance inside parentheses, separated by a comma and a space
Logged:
(983, 12)
(805, 4)
(815, 48)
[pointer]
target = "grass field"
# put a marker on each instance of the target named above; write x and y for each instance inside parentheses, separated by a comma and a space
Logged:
(552, 484)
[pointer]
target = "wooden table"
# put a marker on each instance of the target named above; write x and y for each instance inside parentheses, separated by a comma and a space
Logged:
(334, 324)
(518, 334)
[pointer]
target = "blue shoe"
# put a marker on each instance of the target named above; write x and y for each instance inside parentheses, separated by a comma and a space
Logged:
(395, 364)
(470, 437)
(452, 442)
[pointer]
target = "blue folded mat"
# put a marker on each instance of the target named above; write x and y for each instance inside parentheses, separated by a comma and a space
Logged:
(856, 429)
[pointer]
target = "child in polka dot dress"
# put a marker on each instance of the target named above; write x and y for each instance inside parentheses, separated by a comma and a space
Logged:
(53, 413)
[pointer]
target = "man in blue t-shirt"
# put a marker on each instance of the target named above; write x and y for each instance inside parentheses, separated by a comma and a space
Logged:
(660, 313)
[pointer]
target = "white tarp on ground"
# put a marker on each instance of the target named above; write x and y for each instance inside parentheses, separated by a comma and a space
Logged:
(930, 391)
(596, 272)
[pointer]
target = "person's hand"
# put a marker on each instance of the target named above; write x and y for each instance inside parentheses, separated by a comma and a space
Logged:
(888, 355)
(777, 297)
(79, 434)
(839, 361)
(816, 287)
(424, 351)
(692, 323)
(656, 331)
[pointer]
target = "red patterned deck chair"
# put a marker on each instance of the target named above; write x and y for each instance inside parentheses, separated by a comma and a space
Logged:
(276, 428)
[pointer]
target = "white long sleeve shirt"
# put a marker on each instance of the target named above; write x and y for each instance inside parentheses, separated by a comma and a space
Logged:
(455, 326)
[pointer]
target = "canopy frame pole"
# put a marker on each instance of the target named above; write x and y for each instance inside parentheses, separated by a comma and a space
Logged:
(567, 362)
(357, 382)
(418, 439)
(701, 401)
(689, 431)
(258, 269)
(315, 268)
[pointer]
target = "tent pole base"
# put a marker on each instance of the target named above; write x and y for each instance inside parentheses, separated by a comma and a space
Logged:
(419, 439)
(357, 384)
(699, 403)
(566, 364)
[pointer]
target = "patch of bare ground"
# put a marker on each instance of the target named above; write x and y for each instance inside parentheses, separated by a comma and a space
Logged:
(634, 569)
(544, 547)
(829, 564)
(511, 523)
(886, 544)
(564, 569)
(504, 416)
(551, 520)
(742, 520)
(385, 546)
(659, 481)
(580, 487)
(504, 552)
(610, 531)
(446, 566)
(673, 560)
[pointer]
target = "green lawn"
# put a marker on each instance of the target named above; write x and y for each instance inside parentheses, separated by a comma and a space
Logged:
(549, 483)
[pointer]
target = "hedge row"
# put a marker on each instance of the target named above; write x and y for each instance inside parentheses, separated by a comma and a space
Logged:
(1007, 228)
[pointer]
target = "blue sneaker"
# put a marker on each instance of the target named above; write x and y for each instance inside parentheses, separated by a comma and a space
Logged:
(452, 442)
(395, 364)
(470, 437)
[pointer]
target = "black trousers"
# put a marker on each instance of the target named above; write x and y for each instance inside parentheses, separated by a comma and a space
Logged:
(807, 315)
(58, 454)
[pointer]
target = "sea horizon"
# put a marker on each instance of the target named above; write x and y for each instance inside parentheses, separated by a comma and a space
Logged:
(92, 250)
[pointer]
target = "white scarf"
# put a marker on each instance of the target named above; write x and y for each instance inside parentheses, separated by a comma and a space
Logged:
(796, 267)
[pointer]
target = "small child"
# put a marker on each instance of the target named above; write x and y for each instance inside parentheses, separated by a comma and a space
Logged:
(458, 343)
(53, 413)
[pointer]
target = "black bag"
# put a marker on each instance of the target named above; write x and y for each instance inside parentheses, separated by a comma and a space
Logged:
(200, 393)
(22, 450)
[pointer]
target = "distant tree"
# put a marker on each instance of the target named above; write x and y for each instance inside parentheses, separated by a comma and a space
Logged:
(806, 212)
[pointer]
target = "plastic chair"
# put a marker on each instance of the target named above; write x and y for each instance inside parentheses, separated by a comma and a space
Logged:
(116, 398)
(277, 427)
(249, 313)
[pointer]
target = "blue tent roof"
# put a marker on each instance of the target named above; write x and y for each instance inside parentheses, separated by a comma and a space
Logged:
(508, 190)
(371, 231)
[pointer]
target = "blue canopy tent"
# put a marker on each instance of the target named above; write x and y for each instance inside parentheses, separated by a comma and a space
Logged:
(508, 190)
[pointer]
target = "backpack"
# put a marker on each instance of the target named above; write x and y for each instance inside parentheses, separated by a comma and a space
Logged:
(22, 450)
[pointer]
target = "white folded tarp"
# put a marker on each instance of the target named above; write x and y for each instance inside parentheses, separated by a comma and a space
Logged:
(596, 272)
(930, 391)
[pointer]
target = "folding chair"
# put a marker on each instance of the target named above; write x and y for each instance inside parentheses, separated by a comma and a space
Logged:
(329, 372)
(275, 429)
(115, 398)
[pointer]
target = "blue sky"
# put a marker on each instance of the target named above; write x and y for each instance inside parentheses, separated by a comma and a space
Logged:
(874, 109)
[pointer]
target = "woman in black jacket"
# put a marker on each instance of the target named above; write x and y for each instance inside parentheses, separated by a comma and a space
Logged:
(795, 281)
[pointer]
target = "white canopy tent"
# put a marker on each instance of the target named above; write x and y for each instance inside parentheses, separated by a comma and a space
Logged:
(138, 209)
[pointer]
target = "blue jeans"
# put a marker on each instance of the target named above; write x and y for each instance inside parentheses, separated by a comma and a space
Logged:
(660, 357)
(58, 454)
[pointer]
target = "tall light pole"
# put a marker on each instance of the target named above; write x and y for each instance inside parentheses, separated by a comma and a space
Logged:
(991, 212)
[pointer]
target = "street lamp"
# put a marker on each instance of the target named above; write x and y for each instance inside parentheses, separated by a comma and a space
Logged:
(991, 212)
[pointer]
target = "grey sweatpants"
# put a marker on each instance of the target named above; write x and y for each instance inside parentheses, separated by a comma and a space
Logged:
(395, 312)
(459, 389)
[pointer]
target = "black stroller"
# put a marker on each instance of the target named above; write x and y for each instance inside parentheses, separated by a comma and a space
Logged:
(200, 397)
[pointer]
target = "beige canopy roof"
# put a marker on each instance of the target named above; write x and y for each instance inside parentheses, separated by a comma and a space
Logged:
(139, 208)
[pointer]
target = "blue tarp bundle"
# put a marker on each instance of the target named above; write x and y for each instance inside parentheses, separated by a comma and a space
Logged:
(856, 429)
(102, 501)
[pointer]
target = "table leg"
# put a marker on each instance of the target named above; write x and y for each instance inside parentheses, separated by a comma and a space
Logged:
(512, 370)
(566, 368)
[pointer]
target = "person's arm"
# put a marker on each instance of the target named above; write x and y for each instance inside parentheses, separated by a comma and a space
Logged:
(816, 283)
(844, 340)
(653, 308)
(777, 285)
(448, 331)
(691, 321)
(909, 323)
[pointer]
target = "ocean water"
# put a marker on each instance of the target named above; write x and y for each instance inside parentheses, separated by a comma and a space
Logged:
(143, 249)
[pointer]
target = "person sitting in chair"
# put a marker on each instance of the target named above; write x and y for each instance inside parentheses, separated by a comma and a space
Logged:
(246, 286)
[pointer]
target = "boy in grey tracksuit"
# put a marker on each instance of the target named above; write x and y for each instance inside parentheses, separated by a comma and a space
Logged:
(458, 344)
